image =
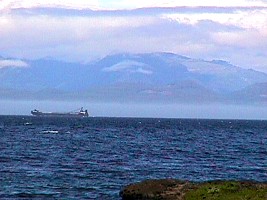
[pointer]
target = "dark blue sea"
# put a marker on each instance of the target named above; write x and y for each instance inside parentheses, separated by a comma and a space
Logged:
(94, 158)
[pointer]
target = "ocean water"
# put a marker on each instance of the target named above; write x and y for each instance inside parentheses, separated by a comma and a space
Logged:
(94, 158)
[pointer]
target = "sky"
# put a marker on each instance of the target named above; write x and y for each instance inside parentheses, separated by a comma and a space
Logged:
(81, 31)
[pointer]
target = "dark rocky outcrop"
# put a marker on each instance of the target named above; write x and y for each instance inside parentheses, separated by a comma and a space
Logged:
(156, 189)
(170, 189)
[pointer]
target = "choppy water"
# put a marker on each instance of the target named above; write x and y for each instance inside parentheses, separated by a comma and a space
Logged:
(59, 158)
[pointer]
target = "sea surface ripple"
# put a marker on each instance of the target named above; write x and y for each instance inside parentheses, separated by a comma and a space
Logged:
(94, 158)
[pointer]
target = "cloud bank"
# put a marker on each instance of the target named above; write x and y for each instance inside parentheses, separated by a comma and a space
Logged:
(85, 30)
(12, 63)
(130, 67)
(125, 4)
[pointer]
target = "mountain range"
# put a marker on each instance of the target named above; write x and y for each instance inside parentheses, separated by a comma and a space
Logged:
(147, 77)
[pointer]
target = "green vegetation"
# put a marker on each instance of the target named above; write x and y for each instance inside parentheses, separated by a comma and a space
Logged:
(227, 190)
(171, 189)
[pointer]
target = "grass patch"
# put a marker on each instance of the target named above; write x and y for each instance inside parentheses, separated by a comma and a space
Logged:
(227, 190)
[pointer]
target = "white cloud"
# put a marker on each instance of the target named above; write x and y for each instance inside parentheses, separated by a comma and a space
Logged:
(241, 39)
(124, 4)
(256, 18)
(66, 36)
(144, 71)
(232, 34)
(129, 66)
(49, 30)
(12, 63)
(128, 4)
(77, 4)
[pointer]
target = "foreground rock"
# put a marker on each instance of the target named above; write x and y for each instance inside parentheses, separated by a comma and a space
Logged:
(170, 189)
(156, 189)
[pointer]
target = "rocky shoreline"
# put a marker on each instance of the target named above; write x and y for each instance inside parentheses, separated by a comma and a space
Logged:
(171, 189)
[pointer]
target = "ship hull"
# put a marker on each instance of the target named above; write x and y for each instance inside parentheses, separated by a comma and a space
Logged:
(56, 114)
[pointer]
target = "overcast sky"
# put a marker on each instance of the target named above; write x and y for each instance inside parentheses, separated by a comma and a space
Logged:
(80, 30)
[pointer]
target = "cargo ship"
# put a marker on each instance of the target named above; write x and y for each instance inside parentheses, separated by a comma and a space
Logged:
(79, 113)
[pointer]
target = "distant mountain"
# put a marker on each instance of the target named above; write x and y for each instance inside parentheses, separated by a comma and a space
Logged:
(129, 77)
(253, 93)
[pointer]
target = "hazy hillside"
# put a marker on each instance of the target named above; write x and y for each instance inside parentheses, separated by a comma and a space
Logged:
(254, 93)
(131, 77)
